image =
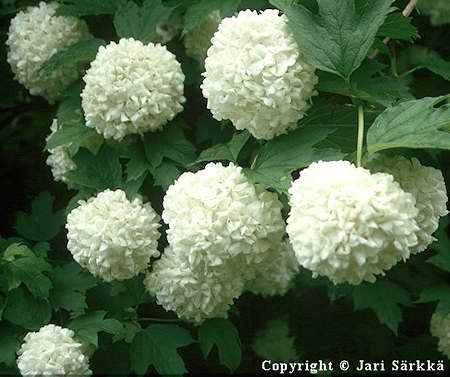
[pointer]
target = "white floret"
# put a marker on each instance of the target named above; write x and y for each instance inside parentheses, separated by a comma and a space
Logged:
(348, 224)
(440, 328)
(113, 237)
(59, 159)
(198, 40)
(425, 183)
(274, 342)
(216, 214)
(192, 295)
(256, 76)
(52, 351)
(275, 273)
(35, 35)
(438, 10)
(132, 88)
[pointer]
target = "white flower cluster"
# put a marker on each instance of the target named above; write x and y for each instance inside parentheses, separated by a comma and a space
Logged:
(52, 351)
(274, 342)
(425, 183)
(216, 214)
(192, 295)
(132, 88)
(274, 274)
(221, 230)
(348, 224)
(438, 10)
(59, 159)
(440, 328)
(35, 34)
(198, 40)
(256, 76)
(112, 237)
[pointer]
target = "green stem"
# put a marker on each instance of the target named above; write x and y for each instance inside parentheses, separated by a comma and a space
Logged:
(159, 319)
(404, 74)
(360, 135)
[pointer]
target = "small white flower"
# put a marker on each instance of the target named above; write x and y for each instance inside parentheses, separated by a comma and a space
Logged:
(440, 328)
(165, 31)
(256, 76)
(192, 295)
(275, 273)
(52, 351)
(274, 342)
(198, 40)
(438, 10)
(112, 237)
(59, 159)
(34, 35)
(216, 214)
(348, 224)
(132, 88)
(425, 183)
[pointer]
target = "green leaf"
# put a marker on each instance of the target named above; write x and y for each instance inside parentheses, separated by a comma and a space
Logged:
(282, 155)
(439, 292)
(384, 298)
(27, 311)
(99, 171)
(75, 133)
(196, 13)
(138, 163)
(226, 151)
(337, 39)
(32, 227)
(81, 52)
(157, 345)
(442, 258)
(41, 249)
(411, 124)
(70, 282)
(383, 90)
(23, 266)
(397, 26)
(9, 343)
(224, 335)
(137, 22)
(170, 143)
(80, 8)
(88, 326)
(438, 66)
(165, 174)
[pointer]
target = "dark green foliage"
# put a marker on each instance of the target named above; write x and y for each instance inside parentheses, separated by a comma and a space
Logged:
(157, 345)
(224, 335)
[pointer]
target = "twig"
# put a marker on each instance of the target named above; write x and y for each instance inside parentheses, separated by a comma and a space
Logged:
(406, 12)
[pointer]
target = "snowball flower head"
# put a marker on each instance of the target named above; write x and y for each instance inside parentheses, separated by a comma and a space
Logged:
(348, 224)
(132, 88)
(59, 159)
(216, 214)
(274, 342)
(198, 40)
(425, 183)
(274, 274)
(440, 328)
(52, 351)
(112, 236)
(255, 74)
(438, 10)
(192, 295)
(35, 34)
